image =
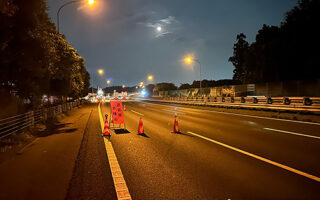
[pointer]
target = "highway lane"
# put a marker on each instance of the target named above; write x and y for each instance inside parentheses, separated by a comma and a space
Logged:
(171, 166)
(250, 134)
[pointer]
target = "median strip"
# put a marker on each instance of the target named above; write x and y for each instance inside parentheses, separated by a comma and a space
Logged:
(315, 178)
(292, 133)
(118, 179)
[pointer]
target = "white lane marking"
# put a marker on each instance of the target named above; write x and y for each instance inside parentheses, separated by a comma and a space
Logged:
(137, 112)
(120, 185)
(244, 115)
(293, 133)
(260, 158)
(174, 111)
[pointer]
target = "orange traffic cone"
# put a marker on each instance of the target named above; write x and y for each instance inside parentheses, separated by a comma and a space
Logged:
(106, 131)
(175, 125)
(140, 128)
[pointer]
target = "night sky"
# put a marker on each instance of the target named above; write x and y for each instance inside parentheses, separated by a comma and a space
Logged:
(121, 36)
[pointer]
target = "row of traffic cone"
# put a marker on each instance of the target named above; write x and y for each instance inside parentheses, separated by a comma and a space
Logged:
(106, 131)
(175, 126)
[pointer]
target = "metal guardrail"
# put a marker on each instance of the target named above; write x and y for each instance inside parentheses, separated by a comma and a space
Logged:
(301, 101)
(280, 103)
(29, 119)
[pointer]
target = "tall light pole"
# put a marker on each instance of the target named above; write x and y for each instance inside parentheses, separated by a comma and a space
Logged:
(90, 2)
(189, 60)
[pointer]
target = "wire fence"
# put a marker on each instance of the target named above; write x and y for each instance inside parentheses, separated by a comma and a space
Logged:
(29, 119)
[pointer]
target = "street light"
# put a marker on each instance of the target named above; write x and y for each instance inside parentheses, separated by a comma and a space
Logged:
(90, 2)
(141, 84)
(100, 72)
(189, 60)
(150, 78)
(108, 82)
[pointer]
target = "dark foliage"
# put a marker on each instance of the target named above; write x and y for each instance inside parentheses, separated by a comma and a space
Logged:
(164, 87)
(209, 83)
(34, 58)
(287, 52)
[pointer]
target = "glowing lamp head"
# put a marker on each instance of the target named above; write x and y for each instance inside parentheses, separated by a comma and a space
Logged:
(108, 82)
(90, 2)
(188, 60)
(150, 77)
(100, 71)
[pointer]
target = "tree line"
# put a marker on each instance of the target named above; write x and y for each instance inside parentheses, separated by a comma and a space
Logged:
(280, 53)
(36, 60)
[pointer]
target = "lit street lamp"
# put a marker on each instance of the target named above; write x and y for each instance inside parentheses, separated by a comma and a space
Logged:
(108, 82)
(100, 72)
(150, 78)
(90, 2)
(189, 60)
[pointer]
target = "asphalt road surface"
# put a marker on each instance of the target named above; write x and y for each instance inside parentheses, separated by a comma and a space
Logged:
(216, 155)
(68, 161)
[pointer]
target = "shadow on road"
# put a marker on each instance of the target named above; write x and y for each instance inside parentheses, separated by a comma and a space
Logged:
(56, 128)
(181, 133)
(121, 131)
(144, 135)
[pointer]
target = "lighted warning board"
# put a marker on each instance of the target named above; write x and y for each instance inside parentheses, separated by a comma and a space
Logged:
(117, 112)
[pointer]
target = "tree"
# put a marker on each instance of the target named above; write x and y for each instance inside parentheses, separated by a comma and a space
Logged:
(164, 87)
(288, 52)
(239, 50)
(34, 58)
(184, 86)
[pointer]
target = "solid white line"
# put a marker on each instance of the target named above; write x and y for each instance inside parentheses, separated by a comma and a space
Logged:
(244, 115)
(137, 113)
(260, 158)
(293, 133)
(120, 185)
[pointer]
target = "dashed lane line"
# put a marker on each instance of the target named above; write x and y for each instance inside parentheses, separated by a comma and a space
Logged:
(292, 133)
(174, 111)
(137, 112)
(118, 179)
(315, 178)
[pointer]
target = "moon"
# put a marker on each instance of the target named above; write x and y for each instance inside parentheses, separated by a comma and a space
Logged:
(159, 29)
